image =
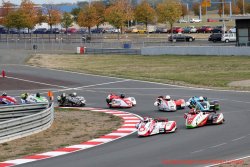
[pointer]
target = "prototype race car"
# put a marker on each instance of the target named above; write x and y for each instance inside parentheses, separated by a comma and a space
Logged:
(33, 98)
(167, 104)
(115, 101)
(150, 126)
(202, 103)
(7, 100)
(196, 118)
(71, 100)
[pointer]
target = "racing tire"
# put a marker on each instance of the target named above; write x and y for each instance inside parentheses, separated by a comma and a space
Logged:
(190, 40)
(226, 41)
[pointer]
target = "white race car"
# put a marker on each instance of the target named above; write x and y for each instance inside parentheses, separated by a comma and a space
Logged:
(115, 101)
(150, 126)
(169, 105)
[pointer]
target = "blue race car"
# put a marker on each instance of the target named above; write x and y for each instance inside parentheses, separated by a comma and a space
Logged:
(202, 104)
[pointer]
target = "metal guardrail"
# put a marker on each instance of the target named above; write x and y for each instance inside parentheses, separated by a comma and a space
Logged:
(32, 118)
(15, 111)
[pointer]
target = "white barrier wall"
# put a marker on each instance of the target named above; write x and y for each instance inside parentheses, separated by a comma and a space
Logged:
(196, 50)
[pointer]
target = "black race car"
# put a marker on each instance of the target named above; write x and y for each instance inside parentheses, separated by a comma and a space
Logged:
(71, 100)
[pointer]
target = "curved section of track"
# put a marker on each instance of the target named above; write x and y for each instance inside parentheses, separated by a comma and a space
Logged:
(230, 140)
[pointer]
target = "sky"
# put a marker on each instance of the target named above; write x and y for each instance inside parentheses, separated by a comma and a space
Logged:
(45, 1)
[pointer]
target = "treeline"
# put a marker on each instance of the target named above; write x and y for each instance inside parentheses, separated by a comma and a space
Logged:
(119, 13)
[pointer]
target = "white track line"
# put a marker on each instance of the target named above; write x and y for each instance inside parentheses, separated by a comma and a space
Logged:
(229, 161)
(107, 83)
(41, 83)
(130, 79)
(239, 138)
(197, 151)
(66, 88)
(218, 145)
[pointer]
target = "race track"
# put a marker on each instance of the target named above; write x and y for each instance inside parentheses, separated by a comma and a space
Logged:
(222, 142)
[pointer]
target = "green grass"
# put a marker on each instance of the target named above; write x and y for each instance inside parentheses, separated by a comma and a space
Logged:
(209, 71)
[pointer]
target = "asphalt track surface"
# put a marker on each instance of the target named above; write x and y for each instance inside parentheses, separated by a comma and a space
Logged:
(222, 142)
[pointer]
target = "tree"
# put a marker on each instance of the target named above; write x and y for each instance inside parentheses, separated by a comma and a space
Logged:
(40, 17)
(226, 9)
(118, 13)
(15, 19)
(169, 11)
(30, 13)
(235, 9)
(100, 9)
(240, 5)
(54, 17)
(145, 13)
(184, 10)
(7, 7)
(75, 12)
(196, 9)
(67, 21)
(87, 17)
(247, 7)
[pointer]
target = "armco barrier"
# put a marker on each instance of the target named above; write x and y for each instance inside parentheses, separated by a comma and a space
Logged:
(26, 125)
(16, 111)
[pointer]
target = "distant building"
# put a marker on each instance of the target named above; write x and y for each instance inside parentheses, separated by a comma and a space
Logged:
(242, 30)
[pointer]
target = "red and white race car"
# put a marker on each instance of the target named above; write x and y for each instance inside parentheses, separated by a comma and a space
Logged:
(8, 100)
(167, 104)
(150, 126)
(116, 101)
(196, 118)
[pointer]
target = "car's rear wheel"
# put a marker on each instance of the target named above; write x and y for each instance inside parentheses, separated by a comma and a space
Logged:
(226, 40)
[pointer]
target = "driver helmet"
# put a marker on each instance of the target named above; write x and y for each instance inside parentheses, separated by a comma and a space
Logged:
(64, 95)
(145, 119)
(167, 97)
(74, 94)
(201, 99)
(38, 95)
(122, 95)
(4, 94)
(192, 111)
(24, 95)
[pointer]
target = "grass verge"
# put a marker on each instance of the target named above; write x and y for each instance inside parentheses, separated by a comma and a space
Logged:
(205, 71)
(70, 127)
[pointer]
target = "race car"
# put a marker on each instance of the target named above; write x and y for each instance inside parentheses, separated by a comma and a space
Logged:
(167, 104)
(115, 101)
(7, 100)
(150, 126)
(71, 100)
(202, 103)
(27, 98)
(196, 118)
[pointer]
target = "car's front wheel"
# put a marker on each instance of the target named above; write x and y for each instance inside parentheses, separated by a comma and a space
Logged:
(190, 39)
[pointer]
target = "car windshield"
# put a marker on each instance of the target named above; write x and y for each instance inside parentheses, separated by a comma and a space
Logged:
(204, 105)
